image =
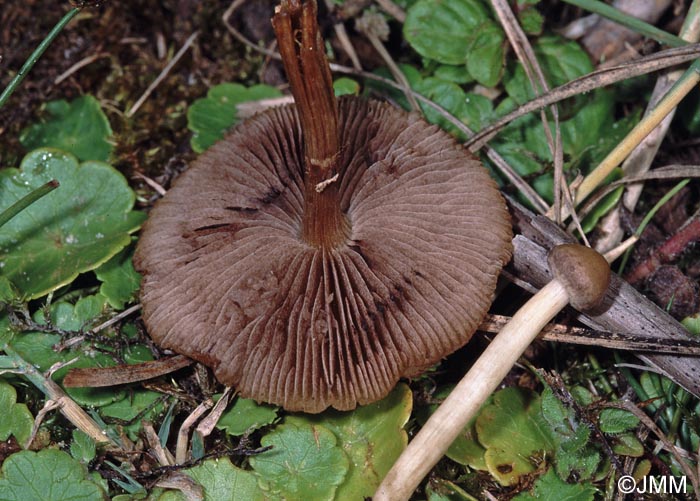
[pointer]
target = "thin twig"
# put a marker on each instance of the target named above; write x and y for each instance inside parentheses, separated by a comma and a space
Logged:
(597, 79)
(559, 333)
(182, 435)
(538, 83)
(344, 39)
(392, 9)
(163, 74)
(69, 408)
(206, 426)
(393, 68)
(80, 64)
(49, 405)
(116, 318)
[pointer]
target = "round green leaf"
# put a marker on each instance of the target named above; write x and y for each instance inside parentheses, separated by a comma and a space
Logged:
(73, 229)
(443, 30)
(120, 281)
(224, 482)
(305, 462)
(343, 86)
(47, 475)
(372, 436)
(550, 486)
(512, 430)
(16, 420)
(79, 127)
(210, 117)
(486, 53)
(617, 421)
(246, 415)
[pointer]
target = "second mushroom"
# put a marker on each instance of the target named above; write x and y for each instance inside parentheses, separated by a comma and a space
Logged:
(324, 249)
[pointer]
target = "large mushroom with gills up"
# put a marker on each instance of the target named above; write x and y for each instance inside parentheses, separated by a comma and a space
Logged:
(324, 249)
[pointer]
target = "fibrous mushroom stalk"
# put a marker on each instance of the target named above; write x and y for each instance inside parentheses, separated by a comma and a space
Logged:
(580, 277)
(305, 63)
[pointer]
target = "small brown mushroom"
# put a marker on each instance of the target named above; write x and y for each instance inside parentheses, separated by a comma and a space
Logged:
(580, 277)
(325, 249)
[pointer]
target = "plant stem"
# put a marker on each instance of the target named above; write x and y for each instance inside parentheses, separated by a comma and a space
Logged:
(26, 201)
(630, 22)
(68, 406)
(642, 226)
(463, 403)
(34, 57)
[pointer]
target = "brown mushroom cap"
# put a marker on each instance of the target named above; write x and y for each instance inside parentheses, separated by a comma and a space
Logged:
(584, 273)
(229, 280)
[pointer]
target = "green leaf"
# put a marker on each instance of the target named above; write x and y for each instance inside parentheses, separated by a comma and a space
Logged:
(627, 444)
(127, 409)
(372, 436)
(82, 447)
(16, 418)
(73, 229)
(512, 430)
(531, 21)
(8, 293)
(455, 74)
(550, 486)
(79, 127)
(305, 462)
(47, 475)
(471, 109)
(120, 281)
(38, 347)
(224, 482)
(617, 421)
(210, 117)
(561, 60)
(246, 415)
(486, 53)
(443, 30)
(345, 86)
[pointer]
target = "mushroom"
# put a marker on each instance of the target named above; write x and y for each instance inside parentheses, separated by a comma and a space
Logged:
(580, 277)
(324, 249)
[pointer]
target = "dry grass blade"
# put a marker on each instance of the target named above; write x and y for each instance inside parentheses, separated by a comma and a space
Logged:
(668, 172)
(592, 81)
(538, 82)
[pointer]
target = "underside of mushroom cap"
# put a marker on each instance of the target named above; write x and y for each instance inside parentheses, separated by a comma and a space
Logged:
(229, 281)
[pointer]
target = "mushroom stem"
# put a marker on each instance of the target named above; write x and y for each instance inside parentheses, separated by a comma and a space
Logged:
(308, 72)
(448, 421)
(581, 278)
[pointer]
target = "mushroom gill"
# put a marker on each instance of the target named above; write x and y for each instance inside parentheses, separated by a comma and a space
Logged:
(308, 290)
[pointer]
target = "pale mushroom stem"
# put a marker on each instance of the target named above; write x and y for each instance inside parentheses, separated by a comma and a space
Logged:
(450, 418)
(306, 65)
(581, 277)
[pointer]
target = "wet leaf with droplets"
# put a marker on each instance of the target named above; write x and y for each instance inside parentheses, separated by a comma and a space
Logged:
(79, 127)
(73, 229)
